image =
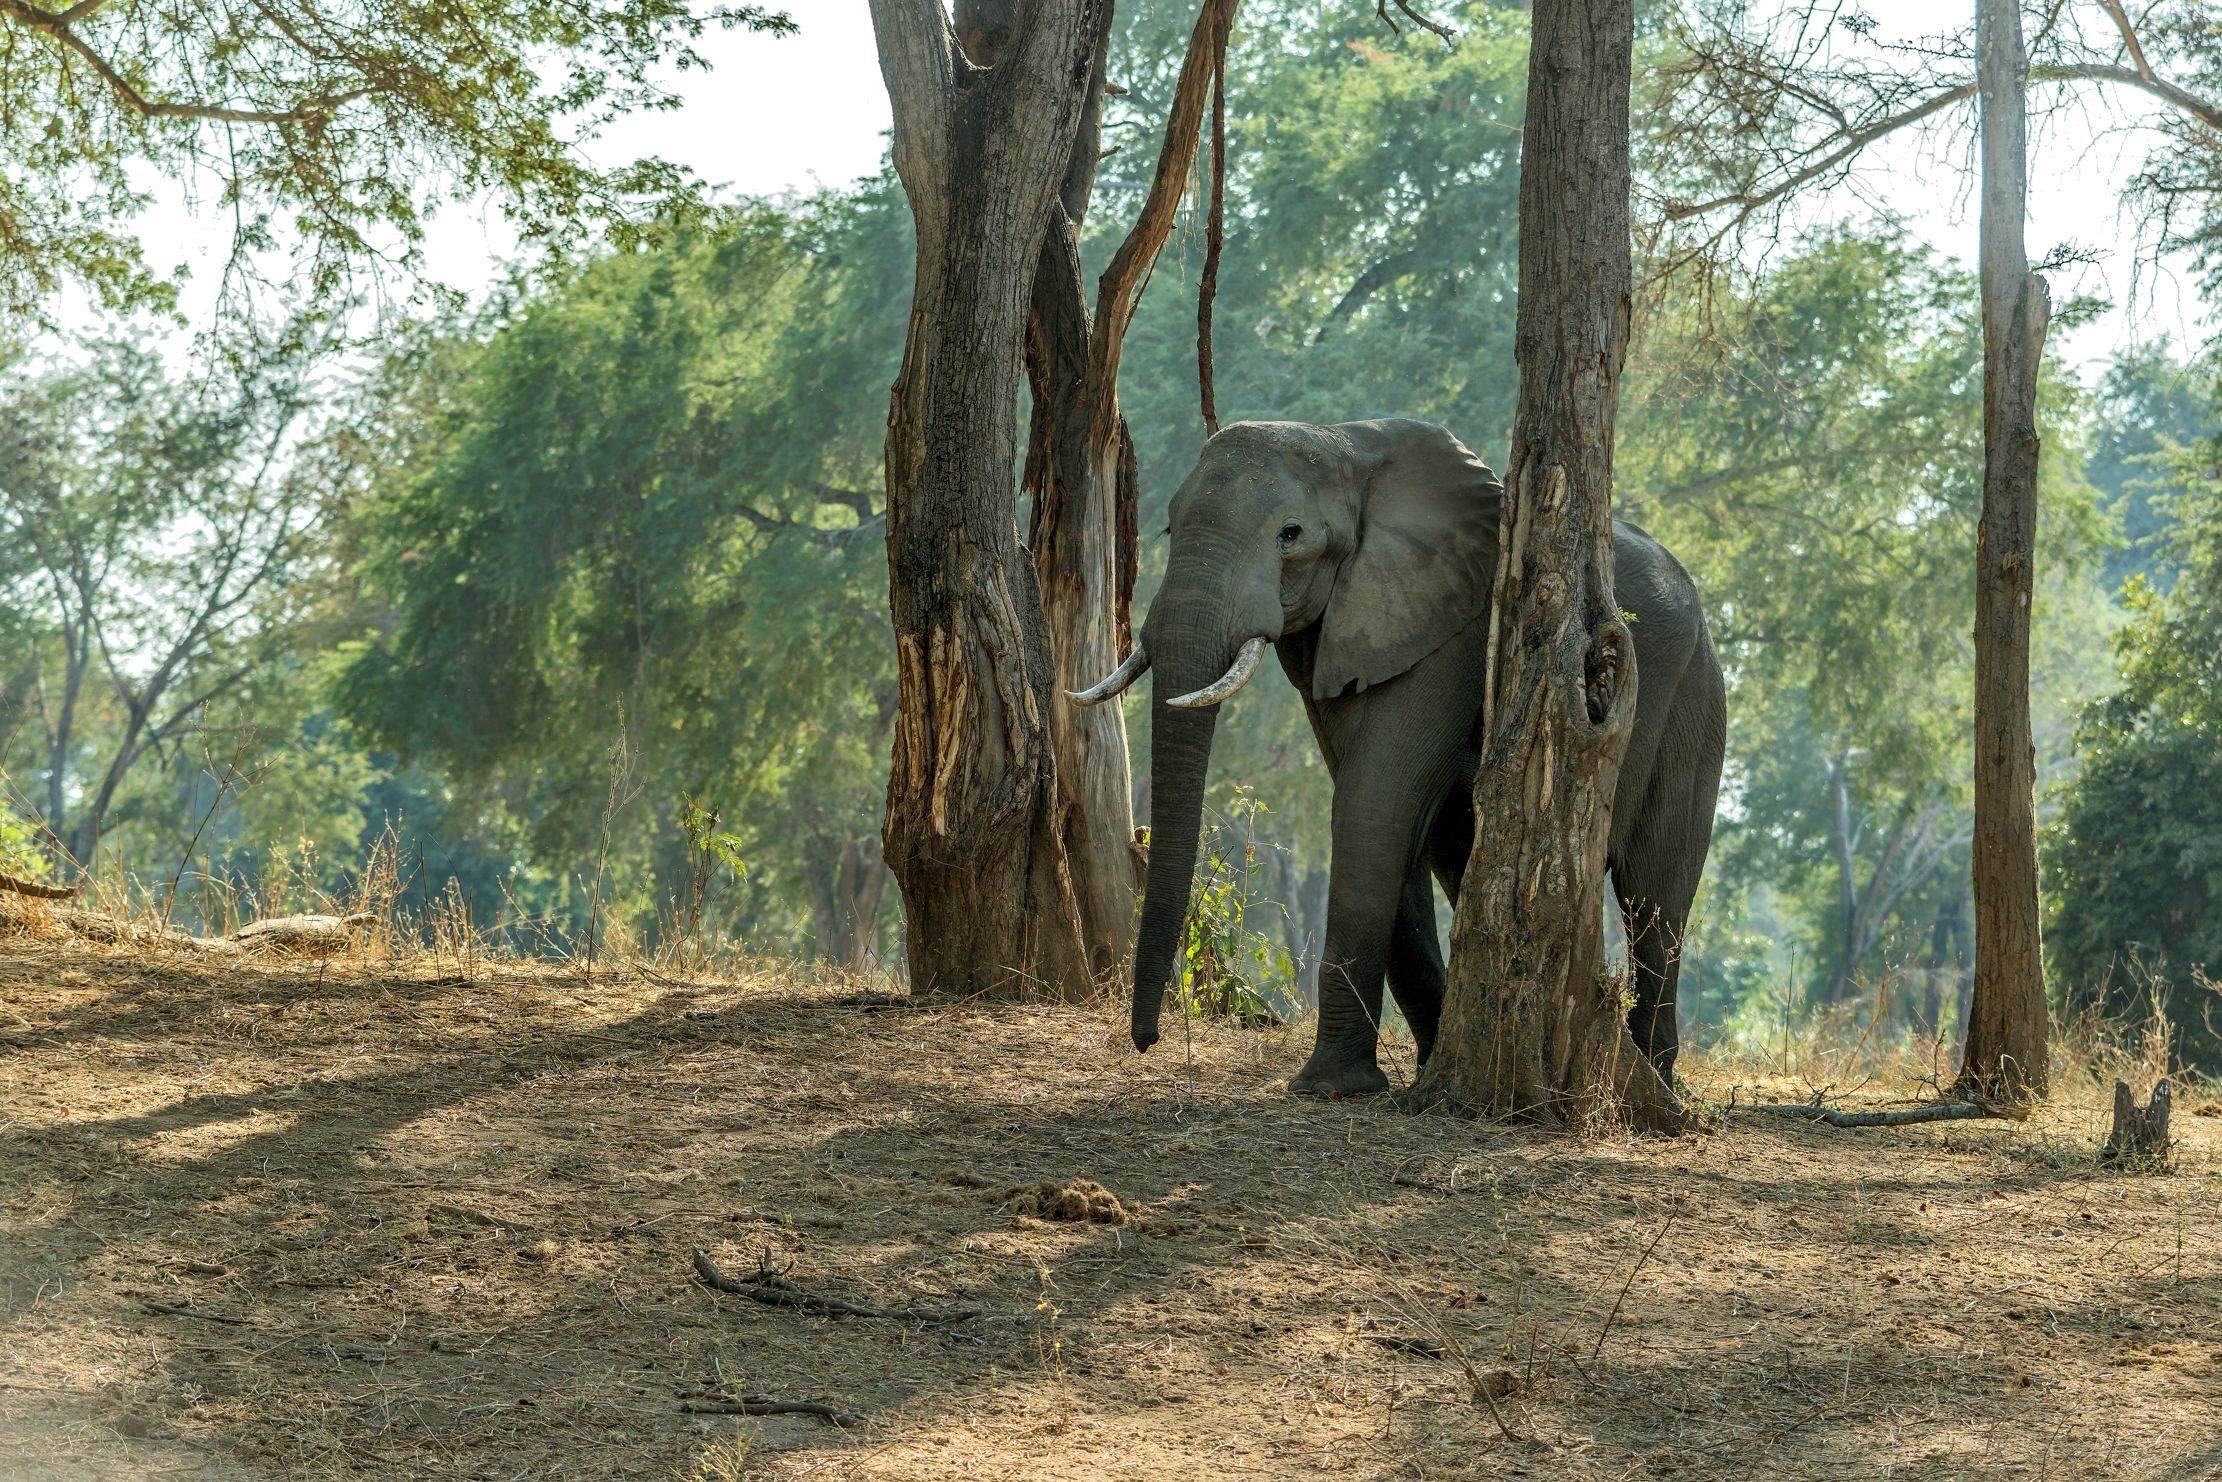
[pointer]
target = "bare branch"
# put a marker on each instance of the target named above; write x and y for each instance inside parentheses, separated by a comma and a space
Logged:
(1381, 9)
(2129, 38)
(1119, 291)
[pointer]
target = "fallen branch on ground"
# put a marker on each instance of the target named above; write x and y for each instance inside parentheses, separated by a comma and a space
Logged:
(37, 890)
(774, 1290)
(312, 935)
(1811, 1111)
(703, 1402)
(302, 936)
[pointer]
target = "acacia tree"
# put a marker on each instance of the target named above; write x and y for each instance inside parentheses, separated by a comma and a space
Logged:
(1529, 1027)
(341, 125)
(158, 521)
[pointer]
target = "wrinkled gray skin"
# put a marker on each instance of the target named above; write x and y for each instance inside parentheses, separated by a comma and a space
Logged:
(1366, 552)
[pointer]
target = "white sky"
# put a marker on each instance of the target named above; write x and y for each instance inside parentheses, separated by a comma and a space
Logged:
(793, 113)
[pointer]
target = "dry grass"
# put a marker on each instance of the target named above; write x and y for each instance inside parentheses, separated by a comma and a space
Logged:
(417, 1220)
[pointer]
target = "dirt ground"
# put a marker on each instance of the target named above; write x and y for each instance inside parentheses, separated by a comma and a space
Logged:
(301, 1223)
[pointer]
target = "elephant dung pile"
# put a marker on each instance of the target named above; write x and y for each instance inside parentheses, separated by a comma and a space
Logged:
(1078, 1202)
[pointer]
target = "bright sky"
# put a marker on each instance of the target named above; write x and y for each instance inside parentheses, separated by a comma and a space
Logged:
(808, 110)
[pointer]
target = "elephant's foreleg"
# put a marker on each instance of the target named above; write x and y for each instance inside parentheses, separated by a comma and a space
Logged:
(1416, 959)
(1399, 748)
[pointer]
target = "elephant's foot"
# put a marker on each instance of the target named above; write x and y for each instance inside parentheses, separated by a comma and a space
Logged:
(1338, 1079)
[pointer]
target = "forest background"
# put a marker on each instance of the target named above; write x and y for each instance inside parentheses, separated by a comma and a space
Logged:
(561, 610)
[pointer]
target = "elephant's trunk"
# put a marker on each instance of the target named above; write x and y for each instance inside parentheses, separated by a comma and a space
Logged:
(1180, 755)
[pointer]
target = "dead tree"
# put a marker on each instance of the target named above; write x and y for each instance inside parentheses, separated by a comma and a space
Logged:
(1530, 1027)
(2008, 1029)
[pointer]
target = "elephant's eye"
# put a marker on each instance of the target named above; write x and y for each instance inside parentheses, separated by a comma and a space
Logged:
(1290, 532)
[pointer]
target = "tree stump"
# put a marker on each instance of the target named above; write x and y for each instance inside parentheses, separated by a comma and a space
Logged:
(2140, 1133)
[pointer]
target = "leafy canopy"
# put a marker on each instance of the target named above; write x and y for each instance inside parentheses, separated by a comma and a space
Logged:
(338, 124)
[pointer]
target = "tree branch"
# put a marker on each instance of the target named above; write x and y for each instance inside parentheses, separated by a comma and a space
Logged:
(918, 59)
(1368, 283)
(1841, 148)
(2129, 38)
(57, 26)
(1119, 291)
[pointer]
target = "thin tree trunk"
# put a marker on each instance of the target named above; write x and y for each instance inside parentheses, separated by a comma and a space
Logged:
(1083, 501)
(1530, 1027)
(1847, 877)
(1082, 476)
(2006, 1053)
(863, 884)
(982, 138)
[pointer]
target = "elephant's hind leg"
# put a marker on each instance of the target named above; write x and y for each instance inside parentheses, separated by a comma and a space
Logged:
(1657, 874)
(1416, 958)
(1654, 960)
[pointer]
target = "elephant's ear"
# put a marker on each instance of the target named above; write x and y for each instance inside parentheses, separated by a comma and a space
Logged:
(1425, 557)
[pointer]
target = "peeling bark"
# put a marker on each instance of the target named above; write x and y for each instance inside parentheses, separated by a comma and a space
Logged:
(983, 134)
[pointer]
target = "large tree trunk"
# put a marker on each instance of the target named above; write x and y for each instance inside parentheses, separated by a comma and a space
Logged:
(1530, 1026)
(2006, 1051)
(982, 138)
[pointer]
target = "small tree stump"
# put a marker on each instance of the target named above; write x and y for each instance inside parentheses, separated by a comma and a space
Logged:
(2140, 1133)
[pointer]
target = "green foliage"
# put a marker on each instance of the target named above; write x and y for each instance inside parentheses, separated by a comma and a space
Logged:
(1813, 451)
(2154, 410)
(2134, 864)
(1228, 968)
(155, 530)
(330, 130)
(652, 486)
(20, 854)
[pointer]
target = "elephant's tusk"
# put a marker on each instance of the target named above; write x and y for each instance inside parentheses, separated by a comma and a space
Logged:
(1245, 664)
(1130, 669)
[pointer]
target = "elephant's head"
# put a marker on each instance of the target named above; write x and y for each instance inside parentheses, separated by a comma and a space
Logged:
(1381, 535)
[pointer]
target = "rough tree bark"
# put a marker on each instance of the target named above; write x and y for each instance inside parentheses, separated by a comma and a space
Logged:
(1081, 474)
(983, 133)
(1530, 1028)
(2006, 1053)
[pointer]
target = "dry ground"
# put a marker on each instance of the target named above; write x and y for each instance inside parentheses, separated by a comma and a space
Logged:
(366, 1223)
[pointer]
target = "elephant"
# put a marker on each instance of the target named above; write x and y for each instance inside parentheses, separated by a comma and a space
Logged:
(1365, 553)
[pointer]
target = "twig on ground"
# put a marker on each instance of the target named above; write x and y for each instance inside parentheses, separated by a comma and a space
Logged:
(774, 1290)
(703, 1402)
(1424, 1347)
(172, 1309)
(1633, 1272)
